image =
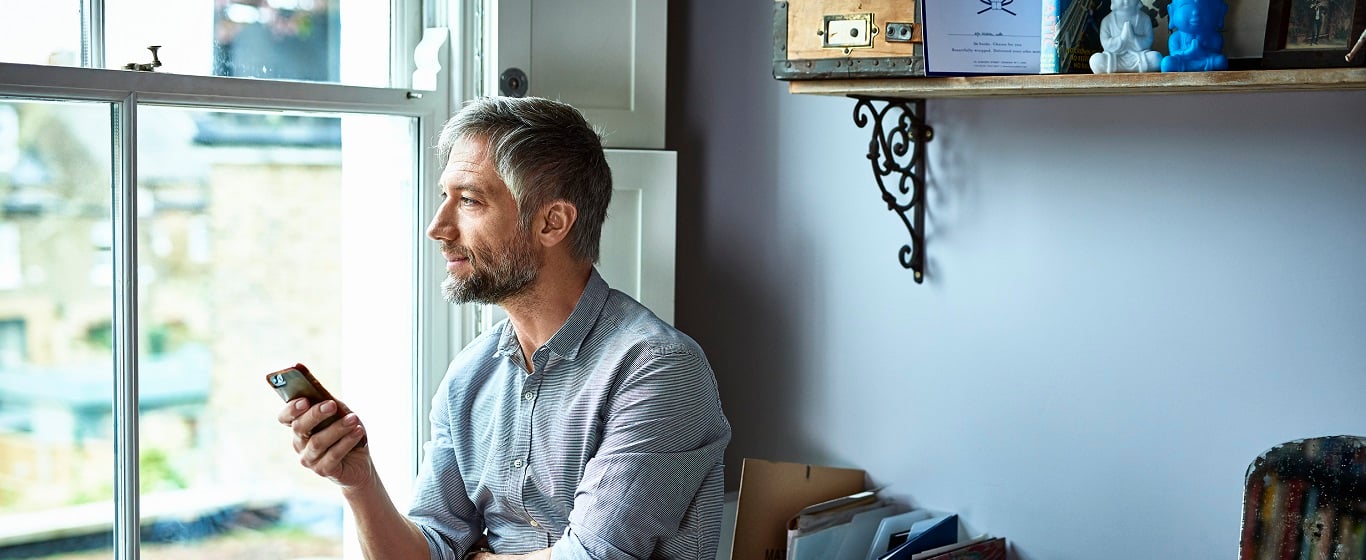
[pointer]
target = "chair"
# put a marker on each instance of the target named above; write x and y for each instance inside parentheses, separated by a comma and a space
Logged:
(1306, 500)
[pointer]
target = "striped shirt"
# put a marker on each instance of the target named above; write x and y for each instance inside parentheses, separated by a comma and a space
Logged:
(611, 449)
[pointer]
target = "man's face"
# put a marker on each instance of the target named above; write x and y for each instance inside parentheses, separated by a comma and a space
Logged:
(489, 258)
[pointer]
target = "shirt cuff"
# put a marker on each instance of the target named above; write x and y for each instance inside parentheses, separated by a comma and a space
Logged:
(569, 548)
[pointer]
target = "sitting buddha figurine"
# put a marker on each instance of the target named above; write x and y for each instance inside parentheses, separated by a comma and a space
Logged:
(1126, 34)
(1196, 44)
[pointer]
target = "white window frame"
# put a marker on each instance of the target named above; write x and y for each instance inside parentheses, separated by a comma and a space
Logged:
(454, 69)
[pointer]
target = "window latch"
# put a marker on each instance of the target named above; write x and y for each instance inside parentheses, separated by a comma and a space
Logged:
(148, 66)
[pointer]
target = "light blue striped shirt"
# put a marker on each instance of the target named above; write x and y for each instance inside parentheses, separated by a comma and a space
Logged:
(612, 449)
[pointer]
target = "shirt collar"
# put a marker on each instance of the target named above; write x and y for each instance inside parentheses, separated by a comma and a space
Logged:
(569, 338)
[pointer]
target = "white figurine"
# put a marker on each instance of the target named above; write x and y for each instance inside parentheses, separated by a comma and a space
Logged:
(1127, 37)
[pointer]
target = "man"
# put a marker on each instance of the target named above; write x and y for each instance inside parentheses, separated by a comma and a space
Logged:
(583, 427)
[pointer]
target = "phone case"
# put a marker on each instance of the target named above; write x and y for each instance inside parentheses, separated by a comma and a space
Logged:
(294, 382)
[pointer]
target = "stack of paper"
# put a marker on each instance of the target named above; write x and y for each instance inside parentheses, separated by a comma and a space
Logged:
(808, 512)
(863, 527)
(924, 535)
(839, 529)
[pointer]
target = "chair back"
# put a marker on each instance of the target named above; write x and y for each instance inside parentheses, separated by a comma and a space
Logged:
(1306, 500)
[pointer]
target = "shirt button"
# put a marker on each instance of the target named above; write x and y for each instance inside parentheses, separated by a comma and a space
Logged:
(518, 463)
(534, 523)
(529, 395)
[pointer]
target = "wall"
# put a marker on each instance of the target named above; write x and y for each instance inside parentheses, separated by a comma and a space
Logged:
(1128, 297)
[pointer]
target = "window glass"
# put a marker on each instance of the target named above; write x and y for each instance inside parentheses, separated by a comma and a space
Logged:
(304, 40)
(299, 40)
(266, 240)
(56, 340)
(47, 32)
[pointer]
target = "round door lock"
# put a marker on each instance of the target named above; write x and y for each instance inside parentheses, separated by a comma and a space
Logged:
(513, 83)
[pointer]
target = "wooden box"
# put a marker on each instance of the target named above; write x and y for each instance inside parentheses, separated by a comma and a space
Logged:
(838, 39)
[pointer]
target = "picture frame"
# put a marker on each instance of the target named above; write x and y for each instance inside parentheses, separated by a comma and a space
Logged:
(1313, 33)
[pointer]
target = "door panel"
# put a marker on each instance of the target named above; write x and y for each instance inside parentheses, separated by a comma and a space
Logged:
(605, 57)
(638, 237)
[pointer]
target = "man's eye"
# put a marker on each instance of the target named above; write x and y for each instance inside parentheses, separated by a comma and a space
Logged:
(467, 201)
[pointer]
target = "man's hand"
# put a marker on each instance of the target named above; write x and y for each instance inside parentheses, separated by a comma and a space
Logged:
(332, 452)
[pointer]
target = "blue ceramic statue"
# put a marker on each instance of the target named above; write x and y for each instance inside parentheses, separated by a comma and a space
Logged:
(1196, 43)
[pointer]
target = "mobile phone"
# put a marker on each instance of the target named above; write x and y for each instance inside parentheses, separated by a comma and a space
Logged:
(294, 382)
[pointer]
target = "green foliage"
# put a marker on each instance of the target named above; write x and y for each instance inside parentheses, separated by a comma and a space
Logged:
(155, 472)
(100, 335)
(102, 492)
(165, 338)
(9, 497)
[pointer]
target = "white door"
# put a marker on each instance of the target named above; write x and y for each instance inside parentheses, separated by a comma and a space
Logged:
(605, 57)
(638, 237)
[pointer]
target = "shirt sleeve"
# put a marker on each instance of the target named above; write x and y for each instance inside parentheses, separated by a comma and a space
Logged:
(441, 509)
(663, 433)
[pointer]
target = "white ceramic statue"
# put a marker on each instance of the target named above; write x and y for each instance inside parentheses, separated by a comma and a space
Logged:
(1127, 37)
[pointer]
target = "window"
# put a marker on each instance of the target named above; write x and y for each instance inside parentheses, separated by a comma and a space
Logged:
(307, 40)
(55, 401)
(167, 239)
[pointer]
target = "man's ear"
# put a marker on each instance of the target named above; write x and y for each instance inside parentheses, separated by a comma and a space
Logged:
(557, 218)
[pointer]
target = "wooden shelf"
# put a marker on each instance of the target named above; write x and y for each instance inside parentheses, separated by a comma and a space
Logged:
(1092, 84)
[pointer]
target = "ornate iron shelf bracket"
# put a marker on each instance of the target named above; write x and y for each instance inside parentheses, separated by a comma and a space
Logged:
(897, 154)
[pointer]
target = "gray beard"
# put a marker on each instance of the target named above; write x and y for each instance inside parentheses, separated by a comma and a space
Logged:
(508, 274)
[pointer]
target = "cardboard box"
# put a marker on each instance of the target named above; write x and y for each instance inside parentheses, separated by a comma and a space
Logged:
(840, 39)
(771, 493)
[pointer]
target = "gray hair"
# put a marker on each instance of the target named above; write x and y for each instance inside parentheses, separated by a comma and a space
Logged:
(545, 151)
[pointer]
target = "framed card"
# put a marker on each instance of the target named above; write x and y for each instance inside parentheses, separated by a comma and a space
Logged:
(1313, 33)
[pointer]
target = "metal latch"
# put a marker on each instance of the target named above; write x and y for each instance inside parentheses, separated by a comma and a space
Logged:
(847, 31)
(148, 66)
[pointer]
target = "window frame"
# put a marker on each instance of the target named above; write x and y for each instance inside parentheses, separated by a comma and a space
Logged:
(417, 26)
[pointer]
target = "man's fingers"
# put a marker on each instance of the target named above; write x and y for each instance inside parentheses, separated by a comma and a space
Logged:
(292, 410)
(323, 452)
(325, 449)
(351, 432)
(304, 423)
(316, 445)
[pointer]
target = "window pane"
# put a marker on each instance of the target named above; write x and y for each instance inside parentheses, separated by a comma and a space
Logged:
(266, 240)
(47, 32)
(305, 40)
(56, 353)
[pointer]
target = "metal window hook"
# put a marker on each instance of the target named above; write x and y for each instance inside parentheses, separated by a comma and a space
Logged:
(146, 67)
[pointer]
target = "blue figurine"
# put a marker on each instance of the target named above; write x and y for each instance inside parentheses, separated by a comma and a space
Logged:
(1196, 43)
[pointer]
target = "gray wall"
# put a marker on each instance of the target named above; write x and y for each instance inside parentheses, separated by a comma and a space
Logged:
(1128, 297)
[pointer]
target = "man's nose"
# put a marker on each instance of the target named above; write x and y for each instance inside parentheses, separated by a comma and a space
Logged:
(442, 226)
